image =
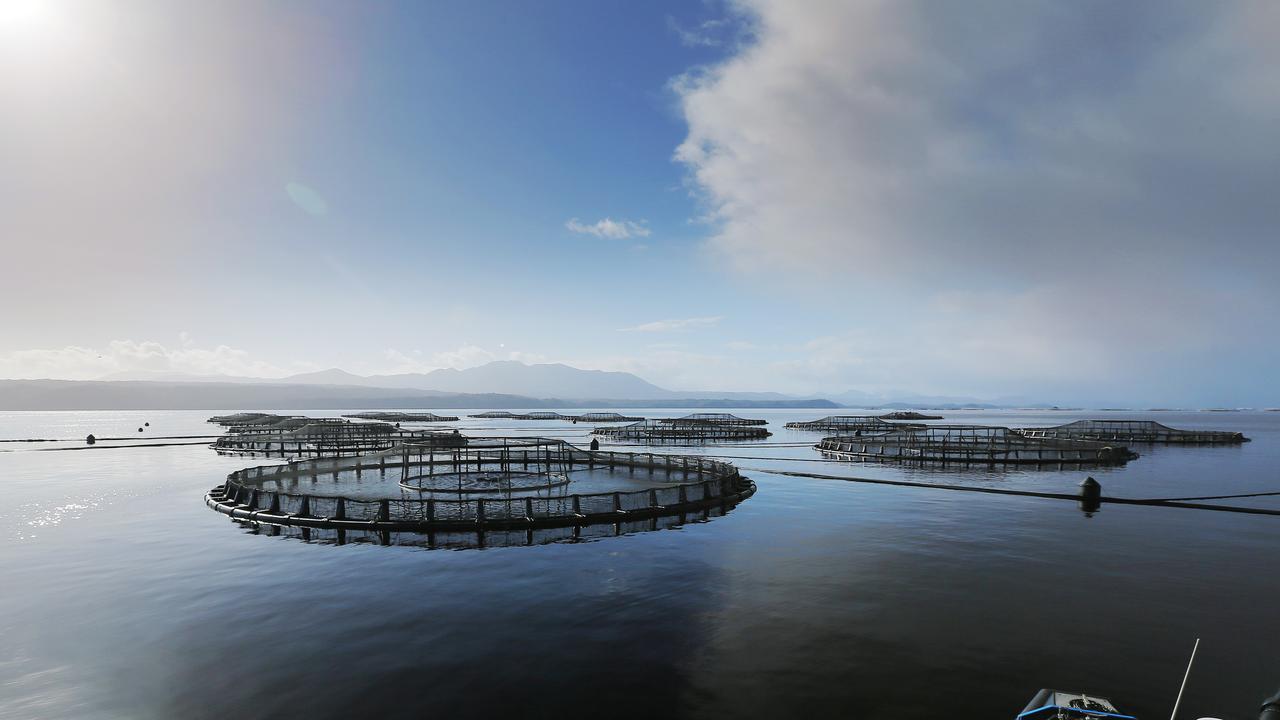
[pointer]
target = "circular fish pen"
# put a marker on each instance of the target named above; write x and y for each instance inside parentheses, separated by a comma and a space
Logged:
(310, 437)
(724, 419)
(674, 431)
(848, 424)
(245, 419)
(1135, 431)
(494, 415)
(400, 417)
(493, 485)
(972, 445)
(606, 417)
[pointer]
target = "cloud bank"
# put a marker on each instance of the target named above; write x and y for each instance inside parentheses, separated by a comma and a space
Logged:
(1085, 174)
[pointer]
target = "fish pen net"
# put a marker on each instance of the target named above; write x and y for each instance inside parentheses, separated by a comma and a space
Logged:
(508, 483)
(676, 431)
(973, 444)
(848, 424)
(1135, 431)
(399, 417)
(493, 415)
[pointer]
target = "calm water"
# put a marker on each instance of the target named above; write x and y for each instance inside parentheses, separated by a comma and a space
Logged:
(125, 597)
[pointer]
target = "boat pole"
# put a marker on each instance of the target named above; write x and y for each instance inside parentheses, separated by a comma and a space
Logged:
(1185, 675)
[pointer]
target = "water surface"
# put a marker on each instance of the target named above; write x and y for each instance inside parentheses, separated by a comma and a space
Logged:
(125, 597)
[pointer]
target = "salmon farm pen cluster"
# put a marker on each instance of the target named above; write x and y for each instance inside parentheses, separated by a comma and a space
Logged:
(975, 445)
(677, 431)
(849, 424)
(586, 417)
(1134, 431)
(399, 417)
(407, 489)
(311, 437)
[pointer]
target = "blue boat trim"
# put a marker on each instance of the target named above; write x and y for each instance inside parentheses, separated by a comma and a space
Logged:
(1077, 710)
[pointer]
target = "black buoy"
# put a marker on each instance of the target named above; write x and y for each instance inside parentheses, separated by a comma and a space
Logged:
(1271, 708)
(91, 439)
(595, 444)
(139, 429)
(147, 424)
(1091, 496)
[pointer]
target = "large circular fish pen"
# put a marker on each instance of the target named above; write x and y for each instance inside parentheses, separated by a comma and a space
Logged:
(973, 445)
(494, 485)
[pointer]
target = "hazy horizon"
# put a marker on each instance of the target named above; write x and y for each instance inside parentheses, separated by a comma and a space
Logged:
(1067, 203)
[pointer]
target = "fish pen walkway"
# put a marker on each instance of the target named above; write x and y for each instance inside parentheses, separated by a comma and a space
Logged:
(678, 431)
(1134, 431)
(849, 424)
(256, 494)
(975, 445)
(397, 417)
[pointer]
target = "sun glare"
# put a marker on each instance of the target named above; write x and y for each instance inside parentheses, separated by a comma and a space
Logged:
(31, 24)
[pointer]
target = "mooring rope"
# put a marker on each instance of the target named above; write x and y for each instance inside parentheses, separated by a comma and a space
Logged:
(1029, 493)
(1216, 497)
(127, 437)
(107, 447)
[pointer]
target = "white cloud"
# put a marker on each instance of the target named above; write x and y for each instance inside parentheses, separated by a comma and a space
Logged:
(1100, 172)
(874, 137)
(609, 228)
(708, 33)
(673, 325)
(127, 356)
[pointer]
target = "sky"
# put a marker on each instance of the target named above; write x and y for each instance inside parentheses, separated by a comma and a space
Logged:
(1059, 202)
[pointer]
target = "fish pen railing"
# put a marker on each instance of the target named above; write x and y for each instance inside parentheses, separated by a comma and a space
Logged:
(658, 431)
(1135, 431)
(243, 495)
(848, 424)
(973, 444)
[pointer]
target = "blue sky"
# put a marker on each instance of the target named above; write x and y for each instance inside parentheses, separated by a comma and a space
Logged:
(1063, 203)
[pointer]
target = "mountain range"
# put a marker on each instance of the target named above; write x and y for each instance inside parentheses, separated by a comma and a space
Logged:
(499, 384)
